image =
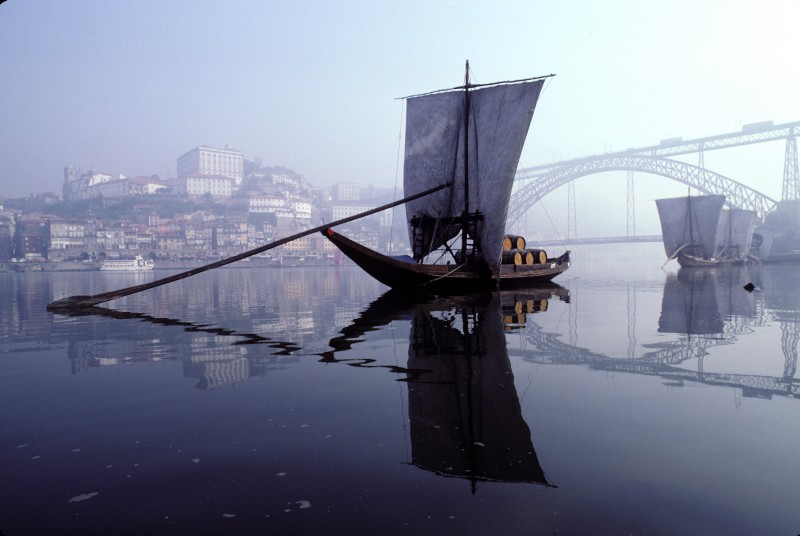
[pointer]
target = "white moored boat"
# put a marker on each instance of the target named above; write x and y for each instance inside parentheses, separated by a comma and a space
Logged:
(128, 265)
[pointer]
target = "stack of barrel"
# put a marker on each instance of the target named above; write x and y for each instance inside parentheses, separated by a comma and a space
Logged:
(514, 252)
(516, 306)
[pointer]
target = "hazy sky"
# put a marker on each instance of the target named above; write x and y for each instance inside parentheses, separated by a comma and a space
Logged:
(126, 87)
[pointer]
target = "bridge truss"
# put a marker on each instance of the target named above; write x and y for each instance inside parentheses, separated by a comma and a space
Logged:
(541, 180)
(546, 180)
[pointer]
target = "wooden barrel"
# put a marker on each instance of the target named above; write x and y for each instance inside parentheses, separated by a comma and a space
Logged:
(513, 242)
(539, 255)
(513, 319)
(513, 256)
(527, 257)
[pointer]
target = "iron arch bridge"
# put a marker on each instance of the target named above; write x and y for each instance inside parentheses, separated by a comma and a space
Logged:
(545, 179)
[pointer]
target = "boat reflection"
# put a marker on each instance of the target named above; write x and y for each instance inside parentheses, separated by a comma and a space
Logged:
(708, 324)
(701, 301)
(465, 416)
(708, 310)
(711, 308)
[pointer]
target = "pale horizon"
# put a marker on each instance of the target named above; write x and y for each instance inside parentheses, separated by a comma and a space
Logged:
(314, 86)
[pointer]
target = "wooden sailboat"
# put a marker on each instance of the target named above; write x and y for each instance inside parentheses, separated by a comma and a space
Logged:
(471, 138)
(735, 234)
(700, 233)
(689, 228)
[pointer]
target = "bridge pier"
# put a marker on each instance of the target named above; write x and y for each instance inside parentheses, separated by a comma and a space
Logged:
(791, 189)
(631, 229)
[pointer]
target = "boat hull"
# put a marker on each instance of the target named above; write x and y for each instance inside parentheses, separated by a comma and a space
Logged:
(692, 261)
(405, 273)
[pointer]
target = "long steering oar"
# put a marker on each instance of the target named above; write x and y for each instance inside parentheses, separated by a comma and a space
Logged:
(675, 254)
(77, 302)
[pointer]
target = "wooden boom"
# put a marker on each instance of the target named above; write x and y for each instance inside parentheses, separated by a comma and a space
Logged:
(77, 302)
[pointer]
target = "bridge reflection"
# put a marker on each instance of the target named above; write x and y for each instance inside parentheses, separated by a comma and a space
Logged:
(706, 309)
(702, 313)
(537, 181)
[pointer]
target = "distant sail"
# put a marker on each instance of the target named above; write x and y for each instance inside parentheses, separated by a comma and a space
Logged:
(434, 154)
(735, 232)
(690, 222)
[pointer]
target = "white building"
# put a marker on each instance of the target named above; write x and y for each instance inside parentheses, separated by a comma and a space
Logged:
(126, 186)
(85, 186)
(302, 209)
(266, 203)
(383, 218)
(144, 185)
(345, 211)
(202, 161)
(67, 235)
(95, 184)
(193, 185)
(346, 191)
(282, 207)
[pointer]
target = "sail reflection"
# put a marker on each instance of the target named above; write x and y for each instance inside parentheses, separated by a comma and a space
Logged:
(712, 308)
(701, 301)
(703, 313)
(465, 416)
(708, 310)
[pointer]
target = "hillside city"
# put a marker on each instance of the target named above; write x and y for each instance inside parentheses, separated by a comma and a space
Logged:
(218, 205)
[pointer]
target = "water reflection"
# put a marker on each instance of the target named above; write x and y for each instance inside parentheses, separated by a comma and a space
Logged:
(704, 314)
(300, 305)
(215, 356)
(709, 310)
(713, 308)
(465, 416)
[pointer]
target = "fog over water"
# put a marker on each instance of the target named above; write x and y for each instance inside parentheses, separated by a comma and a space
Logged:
(628, 398)
(312, 85)
(294, 400)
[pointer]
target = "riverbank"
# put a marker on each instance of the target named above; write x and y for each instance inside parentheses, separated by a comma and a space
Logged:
(57, 266)
(80, 266)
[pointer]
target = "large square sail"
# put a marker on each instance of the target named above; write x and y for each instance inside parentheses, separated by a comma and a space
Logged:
(691, 223)
(499, 117)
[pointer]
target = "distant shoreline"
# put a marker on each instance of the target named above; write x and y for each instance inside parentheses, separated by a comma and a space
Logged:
(60, 266)
(79, 266)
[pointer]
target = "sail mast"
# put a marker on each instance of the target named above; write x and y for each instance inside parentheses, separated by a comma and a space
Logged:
(444, 132)
(464, 222)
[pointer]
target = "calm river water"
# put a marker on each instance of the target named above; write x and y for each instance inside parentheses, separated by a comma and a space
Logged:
(626, 400)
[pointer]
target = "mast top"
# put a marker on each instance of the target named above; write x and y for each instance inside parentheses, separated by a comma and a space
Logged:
(468, 86)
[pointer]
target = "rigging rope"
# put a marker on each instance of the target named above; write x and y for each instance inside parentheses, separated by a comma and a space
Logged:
(443, 276)
(396, 171)
(552, 224)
